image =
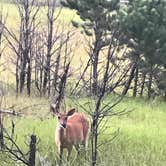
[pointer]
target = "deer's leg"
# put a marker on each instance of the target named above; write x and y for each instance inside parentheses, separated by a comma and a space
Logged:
(69, 149)
(84, 143)
(77, 149)
(60, 154)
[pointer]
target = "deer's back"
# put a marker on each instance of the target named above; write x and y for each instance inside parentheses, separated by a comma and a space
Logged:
(79, 125)
(75, 132)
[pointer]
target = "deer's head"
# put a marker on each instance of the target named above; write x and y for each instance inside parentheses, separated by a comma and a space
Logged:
(62, 118)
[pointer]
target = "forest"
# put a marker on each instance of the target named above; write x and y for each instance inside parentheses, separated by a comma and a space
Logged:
(104, 59)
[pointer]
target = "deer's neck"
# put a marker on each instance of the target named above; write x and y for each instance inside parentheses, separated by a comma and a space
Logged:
(62, 133)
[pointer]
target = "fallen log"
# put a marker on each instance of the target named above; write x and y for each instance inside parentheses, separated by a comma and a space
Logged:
(10, 112)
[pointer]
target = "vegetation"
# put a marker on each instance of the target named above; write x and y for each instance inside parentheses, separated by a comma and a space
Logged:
(141, 137)
(144, 24)
(109, 63)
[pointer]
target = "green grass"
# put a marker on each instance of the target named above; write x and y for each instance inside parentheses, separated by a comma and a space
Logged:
(140, 142)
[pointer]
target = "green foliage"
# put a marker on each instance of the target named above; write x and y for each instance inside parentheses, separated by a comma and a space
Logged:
(96, 14)
(144, 21)
(161, 83)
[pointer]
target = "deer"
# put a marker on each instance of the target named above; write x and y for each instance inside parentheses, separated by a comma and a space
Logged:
(72, 130)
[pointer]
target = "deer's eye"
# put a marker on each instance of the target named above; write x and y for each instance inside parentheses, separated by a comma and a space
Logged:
(65, 118)
(59, 117)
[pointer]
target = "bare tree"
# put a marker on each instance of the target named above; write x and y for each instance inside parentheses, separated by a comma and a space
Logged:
(22, 44)
(112, 74)
(59, 92)
(50, 19)
(1, 128)
(100, 111)
(12, 149)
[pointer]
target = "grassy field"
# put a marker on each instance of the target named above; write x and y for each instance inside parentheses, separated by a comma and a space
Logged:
(140, 142)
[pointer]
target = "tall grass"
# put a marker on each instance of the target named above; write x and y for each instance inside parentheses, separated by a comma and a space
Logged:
(140, 142)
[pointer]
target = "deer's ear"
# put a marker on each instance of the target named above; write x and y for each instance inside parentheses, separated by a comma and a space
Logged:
(71, 112)
(53, 109)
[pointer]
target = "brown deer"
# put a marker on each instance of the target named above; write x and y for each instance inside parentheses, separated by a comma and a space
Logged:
(72, 130)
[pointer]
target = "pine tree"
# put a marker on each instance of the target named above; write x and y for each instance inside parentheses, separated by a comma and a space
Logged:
(98, 20)
(144, 23)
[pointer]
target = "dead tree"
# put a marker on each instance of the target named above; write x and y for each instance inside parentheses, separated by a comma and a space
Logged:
(15, 153)
(2, 23)
(2, 41)
(4, 112)
(1, 33)
(39, 61)
(112, 75)
(51, 39)
(142, 84)
(1, 132)
(22, 44)
(32, 151)
(100, 111)
(59, 94)
(130, 78)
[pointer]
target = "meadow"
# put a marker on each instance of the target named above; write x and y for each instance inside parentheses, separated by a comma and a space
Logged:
(139, 142)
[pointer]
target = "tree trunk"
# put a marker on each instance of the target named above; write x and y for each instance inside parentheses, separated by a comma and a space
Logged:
(135, 82)
(94, 140)
(29, 77)
(56, 71)
(17, 75)
(150, 82)
(22, 74)
(1, 132)
(95, 59)
(142, 84)
(32, 151)
(165, 96)
(49, 48)
(127, 85)
(46, 74)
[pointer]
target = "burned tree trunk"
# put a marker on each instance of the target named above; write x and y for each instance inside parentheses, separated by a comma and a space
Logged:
(57, 63)
(94, 61)
(135, 82)
(150, 82)
(50, 17)
(142, 84)
(29, 77)
(1, 132)
(32, 151)
(25, 42)
(95, 58)
(1, 32)
(131, 76)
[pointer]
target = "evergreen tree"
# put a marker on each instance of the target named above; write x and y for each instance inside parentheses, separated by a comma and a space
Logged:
(98, 17)
(143, 22)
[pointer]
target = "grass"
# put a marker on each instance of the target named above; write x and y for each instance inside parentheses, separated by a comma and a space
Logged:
(140, 142)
